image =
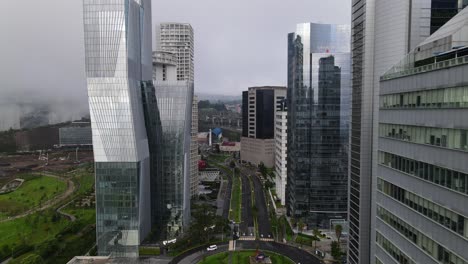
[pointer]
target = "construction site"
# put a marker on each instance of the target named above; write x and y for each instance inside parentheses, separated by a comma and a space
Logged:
(51, 160)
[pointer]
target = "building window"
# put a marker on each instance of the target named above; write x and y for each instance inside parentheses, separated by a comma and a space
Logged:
(392, 250)
(422, 241)
(455, 97)
(437, 213)
(442, 137)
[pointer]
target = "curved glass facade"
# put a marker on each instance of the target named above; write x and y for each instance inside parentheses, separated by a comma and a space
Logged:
(319, 88)
(117, 37)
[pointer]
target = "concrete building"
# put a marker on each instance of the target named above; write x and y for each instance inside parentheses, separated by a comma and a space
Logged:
(318, 100)
(178, 39)
(422, 173)
(259, 105)
(382, 33)
(117, 38)
(280, 152)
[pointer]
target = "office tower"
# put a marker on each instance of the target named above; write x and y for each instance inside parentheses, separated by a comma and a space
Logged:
(259, 106)
(382, 33)
(422, 175)
(444, 10)
(178, 39)
(118, 63)
(174, 103)
(194, 156)
(318, 75)
(280, 151)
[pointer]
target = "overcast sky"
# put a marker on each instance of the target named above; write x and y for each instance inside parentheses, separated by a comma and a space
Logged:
(238, 43)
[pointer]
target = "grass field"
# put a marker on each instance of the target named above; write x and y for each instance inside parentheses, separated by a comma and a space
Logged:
(242, 257)
(46, 230)
(32, 193)
(221, 158)
(236, 199)
(31, 229)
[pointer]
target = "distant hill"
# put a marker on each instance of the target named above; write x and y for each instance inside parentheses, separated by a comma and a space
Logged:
(218, 97)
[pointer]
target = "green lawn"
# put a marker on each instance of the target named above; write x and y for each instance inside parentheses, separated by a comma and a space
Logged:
(46, 230)
(31, 230)
(149, 251)
(285, 227)
(221, 158)
(32, 193)
(304, 239)
(236, 199)
(242, 257)
(85, 179)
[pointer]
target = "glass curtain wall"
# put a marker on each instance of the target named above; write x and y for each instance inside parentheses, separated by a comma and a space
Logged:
(318, 117)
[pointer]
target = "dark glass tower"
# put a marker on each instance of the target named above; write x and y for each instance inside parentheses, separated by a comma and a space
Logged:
(265, 119)
(443, 10)
(318, 89)
(245, 113)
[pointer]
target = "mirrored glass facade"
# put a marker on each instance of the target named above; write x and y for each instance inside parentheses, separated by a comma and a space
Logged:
(174, 99)
(318, 120)
(117, 36)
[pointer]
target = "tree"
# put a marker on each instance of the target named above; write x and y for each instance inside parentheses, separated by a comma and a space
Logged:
(314, 241)
(338, 231)
(335, 250)
(300, 225)
(33, 259)
(263, 169)
(232, 164)
(316, 236)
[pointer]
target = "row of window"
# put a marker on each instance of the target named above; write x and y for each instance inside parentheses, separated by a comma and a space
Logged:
(456, 97)
(392, 250)
(428, 245)
(451, 179)
(442, 137)
(445, 217)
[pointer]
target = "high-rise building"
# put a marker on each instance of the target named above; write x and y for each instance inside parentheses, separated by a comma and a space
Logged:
(259, 106)
(443, 10)
(382, 33)
(178, 39)
(117, 38)
(422, 175)
(194, 156)
(280, 151)
(174, 102)
(318, 89)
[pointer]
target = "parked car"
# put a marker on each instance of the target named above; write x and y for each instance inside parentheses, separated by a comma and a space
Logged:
(212, 247)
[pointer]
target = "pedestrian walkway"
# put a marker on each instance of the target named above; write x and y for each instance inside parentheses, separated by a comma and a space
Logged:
(232, 245)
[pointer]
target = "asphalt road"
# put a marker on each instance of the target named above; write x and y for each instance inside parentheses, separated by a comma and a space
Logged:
(296, 254)
(246, 227)
(264, 226)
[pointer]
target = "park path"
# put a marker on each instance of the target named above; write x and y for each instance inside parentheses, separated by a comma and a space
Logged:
(48, 203)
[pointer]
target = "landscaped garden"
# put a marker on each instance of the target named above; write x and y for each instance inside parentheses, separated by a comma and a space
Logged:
(32, 193)
(46, 235)
(243, 257)
(236, 199)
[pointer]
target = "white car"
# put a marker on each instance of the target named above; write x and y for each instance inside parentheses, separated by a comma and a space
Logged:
(212, 247)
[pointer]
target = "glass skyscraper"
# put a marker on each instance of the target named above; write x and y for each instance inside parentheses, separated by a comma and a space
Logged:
(174, 102)
(117, 38)
(318, 115)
